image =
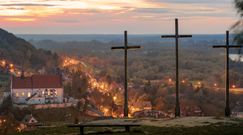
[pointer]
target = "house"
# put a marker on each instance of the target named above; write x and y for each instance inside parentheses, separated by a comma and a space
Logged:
(236, 91)
(29, 120)
(138, 106)
(3, 96)
(236, 57)
(150, 113)
(37, 89)
(2, 120)
(197, 85)
(237, 111)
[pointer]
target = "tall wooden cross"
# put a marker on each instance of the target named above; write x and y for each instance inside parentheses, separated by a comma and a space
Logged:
(227, 84)
(125, 48)
(177, 36)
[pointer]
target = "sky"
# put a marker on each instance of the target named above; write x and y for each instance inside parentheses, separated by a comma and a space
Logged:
(115, 16)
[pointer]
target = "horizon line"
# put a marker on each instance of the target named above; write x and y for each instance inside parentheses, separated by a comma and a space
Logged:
(113, 34)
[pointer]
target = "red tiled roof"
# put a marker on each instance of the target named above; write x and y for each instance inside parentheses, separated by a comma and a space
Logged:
(21, 82)
(46, 81)
(37, 81)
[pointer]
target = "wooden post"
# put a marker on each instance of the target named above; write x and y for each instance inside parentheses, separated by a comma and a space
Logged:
(227, 84)
(125, 48)
(81, 130)
(177, 36)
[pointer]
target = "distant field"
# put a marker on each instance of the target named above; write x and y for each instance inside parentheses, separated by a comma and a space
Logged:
(112, 37)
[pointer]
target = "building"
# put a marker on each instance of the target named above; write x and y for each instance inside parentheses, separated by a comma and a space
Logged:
(29, 120)
(37, 89)
(197, 85)
(3, 96)
(237, 111)
(236, 91)
(236, 57)
(150, 113)
(138, 106)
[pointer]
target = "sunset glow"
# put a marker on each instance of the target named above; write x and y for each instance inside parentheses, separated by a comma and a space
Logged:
(79, 16)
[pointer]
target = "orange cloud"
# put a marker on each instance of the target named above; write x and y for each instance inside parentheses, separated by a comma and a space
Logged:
(20, 19)
(112, 15)
(50, 7)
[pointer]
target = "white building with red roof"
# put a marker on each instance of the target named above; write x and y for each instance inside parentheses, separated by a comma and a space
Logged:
(37, 89)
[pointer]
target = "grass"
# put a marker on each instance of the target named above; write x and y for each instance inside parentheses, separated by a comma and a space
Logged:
(215, 129)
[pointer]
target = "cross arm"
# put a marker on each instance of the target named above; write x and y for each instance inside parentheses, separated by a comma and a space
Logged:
(122, 47)
(134, 47)
(118, 47)
(168, 36)
(219, 46)
(236, 46)
(224, 46)
(174, 36)
(185, 36)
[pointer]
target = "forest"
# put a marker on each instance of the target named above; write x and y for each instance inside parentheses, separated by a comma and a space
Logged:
(150, 68)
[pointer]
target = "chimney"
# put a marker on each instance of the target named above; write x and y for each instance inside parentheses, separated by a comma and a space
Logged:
(22, 73)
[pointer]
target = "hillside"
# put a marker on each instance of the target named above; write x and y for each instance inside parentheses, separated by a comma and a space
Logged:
(21, 52)
(189, 126)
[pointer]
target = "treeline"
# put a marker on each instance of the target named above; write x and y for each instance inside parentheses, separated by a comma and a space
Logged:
(155, 60)
(22, 53)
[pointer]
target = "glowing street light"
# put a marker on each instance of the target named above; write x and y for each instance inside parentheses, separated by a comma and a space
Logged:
(114, 98)
(133, 109)
(170, 80)
(19, 73)
(11, 70)
(183, 81)
(18, 129)
(105, 110)
(11, 65)
(102, 86)
(3, 62)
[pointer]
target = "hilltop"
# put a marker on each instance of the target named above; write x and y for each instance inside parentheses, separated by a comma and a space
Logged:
(21, 52)
(189, 126)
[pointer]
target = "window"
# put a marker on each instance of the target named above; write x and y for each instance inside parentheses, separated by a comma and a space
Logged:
(22, 93)
(29, 94)
(17, 94)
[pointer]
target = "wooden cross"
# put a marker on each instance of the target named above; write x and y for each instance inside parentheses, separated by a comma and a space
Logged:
(125, 48)
(227, 47)
(177, 36)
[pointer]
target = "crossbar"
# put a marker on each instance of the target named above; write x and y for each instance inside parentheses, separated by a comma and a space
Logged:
(174, 36)
(229, 46)
(122, 47)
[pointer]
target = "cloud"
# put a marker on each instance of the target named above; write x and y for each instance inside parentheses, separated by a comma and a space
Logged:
(66, 20)
(26, 5)
(19, 19)
(151, 10)
(193, 1)
(51, 7)
(117, 14)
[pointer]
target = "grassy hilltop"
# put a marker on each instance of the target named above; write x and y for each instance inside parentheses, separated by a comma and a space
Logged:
(190, 126)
